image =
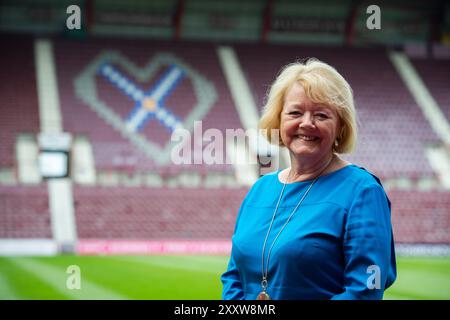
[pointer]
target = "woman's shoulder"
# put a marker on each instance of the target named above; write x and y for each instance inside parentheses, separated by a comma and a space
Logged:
(264, 182)
(362, 176)
(268, 178)
(348, 184)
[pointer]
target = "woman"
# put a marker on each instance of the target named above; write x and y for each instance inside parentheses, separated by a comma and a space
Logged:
(320, 229)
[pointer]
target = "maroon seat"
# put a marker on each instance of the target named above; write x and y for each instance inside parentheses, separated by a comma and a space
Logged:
(24, 212)
(153, 213)
(111, 150)
(393, 136)
(421, 217)
(436, 75)
(18, 95)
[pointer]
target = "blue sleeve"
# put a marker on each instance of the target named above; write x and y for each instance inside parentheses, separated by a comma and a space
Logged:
(231, 281)
(232, 286)
(368, 246)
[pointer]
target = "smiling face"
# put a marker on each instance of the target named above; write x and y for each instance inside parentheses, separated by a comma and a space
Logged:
(307, 129)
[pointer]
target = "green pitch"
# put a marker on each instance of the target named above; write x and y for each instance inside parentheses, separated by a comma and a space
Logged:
(174, 277)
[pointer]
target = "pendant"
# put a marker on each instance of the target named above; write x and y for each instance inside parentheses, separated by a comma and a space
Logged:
(263, 296)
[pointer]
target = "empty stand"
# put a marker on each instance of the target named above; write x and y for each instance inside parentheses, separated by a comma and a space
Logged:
(421, 217)
(436, 75)
(24, 212)
(153, 213)
(18, 95)
(393, 137)
(113, 151)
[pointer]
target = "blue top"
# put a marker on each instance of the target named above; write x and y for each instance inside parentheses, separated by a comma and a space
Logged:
(338, 244)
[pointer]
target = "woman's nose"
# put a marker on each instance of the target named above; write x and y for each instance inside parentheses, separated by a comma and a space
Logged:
(307, 120)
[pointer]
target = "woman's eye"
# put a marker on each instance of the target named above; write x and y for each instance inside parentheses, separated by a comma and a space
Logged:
(294, 113)
(322, 116)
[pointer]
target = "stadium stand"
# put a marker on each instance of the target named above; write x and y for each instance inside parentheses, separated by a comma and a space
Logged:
(390, 146)
(436, 75)
(156, 213)
(18, 96)
(420, 216)
(24, 212)
(112, 150)
(100, 67)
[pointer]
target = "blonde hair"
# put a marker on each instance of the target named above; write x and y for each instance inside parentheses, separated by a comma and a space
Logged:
(322, 85)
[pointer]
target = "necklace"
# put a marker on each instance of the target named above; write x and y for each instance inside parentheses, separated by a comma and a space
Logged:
(263, 295)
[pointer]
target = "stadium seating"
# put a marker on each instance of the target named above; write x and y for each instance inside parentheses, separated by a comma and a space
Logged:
(420, 217)
(436, 75)
(24, 212)
(18, 95)
(156, 213)
(112, 151)
(393, 137)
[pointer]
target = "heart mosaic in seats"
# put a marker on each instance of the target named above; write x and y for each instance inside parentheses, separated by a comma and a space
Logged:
(145, 106)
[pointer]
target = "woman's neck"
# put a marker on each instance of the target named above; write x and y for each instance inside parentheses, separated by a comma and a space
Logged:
(304, 170)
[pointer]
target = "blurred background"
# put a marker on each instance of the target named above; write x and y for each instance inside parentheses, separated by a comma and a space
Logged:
(92, 91)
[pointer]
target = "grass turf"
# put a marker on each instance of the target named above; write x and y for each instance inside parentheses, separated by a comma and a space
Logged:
(175, 277)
